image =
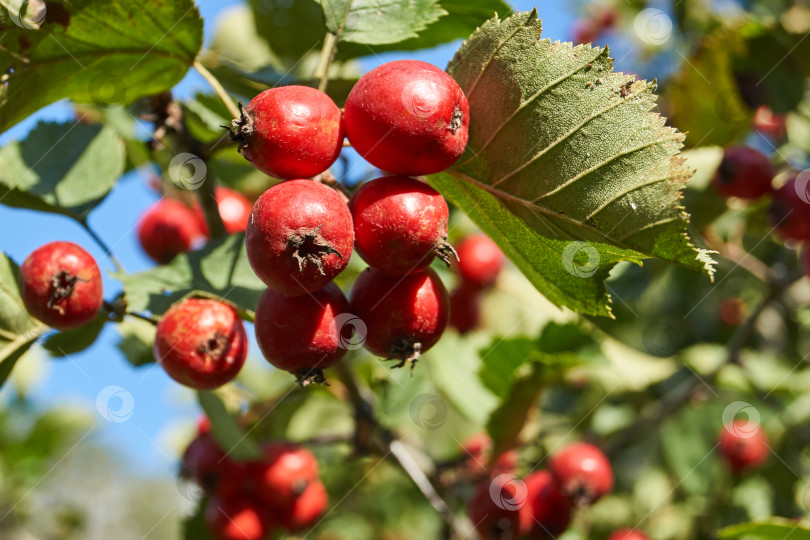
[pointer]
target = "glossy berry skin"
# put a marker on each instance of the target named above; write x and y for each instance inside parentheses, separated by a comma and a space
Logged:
(201, 343)
(303, 334)
(407, 117)
(744, 172)
(405, 316)
(300, 236)
(478, 448)
(465, 308)
(583, 473)
(400, 224)
(284, 473)
(789, 212)
(497, 520)
(628, 534)
(547, 513)
(169, 228)
(237, 518)
(290, 132)
(306, 510)
(480, 260)
(743, 445)
(234, 209)
(60, 285)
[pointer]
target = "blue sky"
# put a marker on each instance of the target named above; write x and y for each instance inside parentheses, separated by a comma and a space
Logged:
(159, 404)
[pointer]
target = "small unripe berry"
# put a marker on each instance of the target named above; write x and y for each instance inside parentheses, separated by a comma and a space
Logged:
(169, 228)
(234, 209)
(789, 212)
(480, 260)
(300, 236)
(60, 285)
(405, 316)
(744, 172)
(407, 117)
(583, 473)
(400, 224)
(303, 334)
(306, 510)
(494, 507)
(240, 518)
(201, 343)
(743, 444)
(290, 132)
(628, 534)
(547, 513)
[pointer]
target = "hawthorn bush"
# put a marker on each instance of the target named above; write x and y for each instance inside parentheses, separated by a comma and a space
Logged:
(596, 297)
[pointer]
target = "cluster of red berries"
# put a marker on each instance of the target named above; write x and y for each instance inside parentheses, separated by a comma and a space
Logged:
(541, 505)
(479, 263)
(248, 500)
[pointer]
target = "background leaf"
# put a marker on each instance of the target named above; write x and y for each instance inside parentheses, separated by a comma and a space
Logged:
(226, 431)
(375, 22)
(775, 529)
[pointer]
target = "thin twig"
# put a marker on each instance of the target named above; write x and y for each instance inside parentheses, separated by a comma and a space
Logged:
(103, 245)
(330, 43)
(218, 88)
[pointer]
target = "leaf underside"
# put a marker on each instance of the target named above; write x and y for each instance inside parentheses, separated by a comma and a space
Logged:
(567, 167)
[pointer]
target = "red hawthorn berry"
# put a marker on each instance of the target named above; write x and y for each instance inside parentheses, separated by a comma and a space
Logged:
(209, 466)
(585, 31)
(733, 311)
(303, 334)
(407, 117)
(465, 308)
(234, 209)
(290, 132)
(203, 425)
(789, 213)
(606, 18)
(743, 444)
(547, 513)
(480, 260)
(167, 229)
(306, 510)
(299, 237)
(60, 285)
(772, 125)
(494, 507)
(583, 473)
(400, 224)
(201, 343)
(284, 473)
(744, 172)
(478, 447)
(404, 316)
(628, 534)
(238, 518)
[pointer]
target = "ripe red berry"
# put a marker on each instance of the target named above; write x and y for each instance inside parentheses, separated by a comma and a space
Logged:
(60, 285)
(772, 125)
(306, 510)
(201, 343)
(299, 237)
(547, 513)
(478, 448)
(789, 212)
(407, 117)
(285, 471)
(290, 132)
(733, 311)
(169, 228)
(583, 473)
(744, 172)
(400, 224)
(465, 308)
(240, 518)
(234, 209)
(585, 31)
(743, 444)
(628, 534)
(302, 334)
(480, 260)
(494, 507)
(404, 316)
(209, 466)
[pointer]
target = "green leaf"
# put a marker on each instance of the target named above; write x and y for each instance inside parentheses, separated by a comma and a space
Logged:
(135, 341)
(62, 168)
(375, 22)
(97, 51)
(18, 330)
(67, 342)
(774, 529)
(221, 269)
(292, 29)
(226, 431)
(506, 422)
(567, 168)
